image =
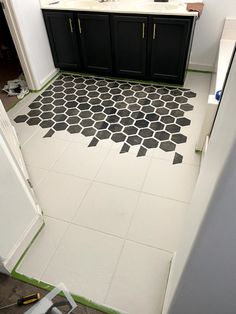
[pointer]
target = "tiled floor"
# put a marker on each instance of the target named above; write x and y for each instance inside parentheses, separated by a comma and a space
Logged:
(134, 114)
(113, 220)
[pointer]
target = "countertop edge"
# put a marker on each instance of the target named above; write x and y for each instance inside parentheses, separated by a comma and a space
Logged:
(122, 10)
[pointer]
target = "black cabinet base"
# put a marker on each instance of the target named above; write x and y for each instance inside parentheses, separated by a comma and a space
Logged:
(125, 78)
(142, 47)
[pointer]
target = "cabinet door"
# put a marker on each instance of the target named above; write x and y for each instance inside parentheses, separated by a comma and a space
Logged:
(170, 46)
(63, 39)
(129, 35)
(95, 39)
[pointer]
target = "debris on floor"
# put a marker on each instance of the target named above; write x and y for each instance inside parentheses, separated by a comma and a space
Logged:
(24, 300)
(17, 87)
(11, 289)
(48, 306)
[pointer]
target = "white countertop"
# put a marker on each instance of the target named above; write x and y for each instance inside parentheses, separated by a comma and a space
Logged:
(120, 6)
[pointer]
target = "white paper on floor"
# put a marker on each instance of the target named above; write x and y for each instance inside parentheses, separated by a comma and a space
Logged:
(17, 87)
(48, 306)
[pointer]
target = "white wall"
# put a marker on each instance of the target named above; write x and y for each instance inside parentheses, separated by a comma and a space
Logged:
(204, 273)
(27, 17)
(208, 32)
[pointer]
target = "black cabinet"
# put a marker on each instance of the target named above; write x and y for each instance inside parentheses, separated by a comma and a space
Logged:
(169, 47)
(129, 35)
(95, 38)
(63, 39)
(138, 46)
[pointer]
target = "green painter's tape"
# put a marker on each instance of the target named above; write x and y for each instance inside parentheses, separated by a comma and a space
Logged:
(200, 71)
(114, 78)
(78, 299)
(48, 287)
(26, 250)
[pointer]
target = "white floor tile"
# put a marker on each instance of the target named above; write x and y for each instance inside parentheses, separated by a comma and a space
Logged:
(107, 208)
(198, 82)
(171, 181)
(25, 132)
(80, 138)
(187, 150)
(85, 262)
(36, 175)
(42, 152)
(124, 170)
(84, 140)
(158, 222)
(60, 195)
(61, 135)
(41, 251)
(22, 104)
(140, 280)
(81, 161)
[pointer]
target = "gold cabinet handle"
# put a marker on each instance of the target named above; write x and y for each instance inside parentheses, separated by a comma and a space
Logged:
(79, 24)
(143, 32)
(71, 25)
(154, 31)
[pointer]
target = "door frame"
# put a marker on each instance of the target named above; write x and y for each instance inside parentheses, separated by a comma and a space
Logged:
(19, 43)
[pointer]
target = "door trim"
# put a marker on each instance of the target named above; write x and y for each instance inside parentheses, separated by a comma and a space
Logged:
(19, 44)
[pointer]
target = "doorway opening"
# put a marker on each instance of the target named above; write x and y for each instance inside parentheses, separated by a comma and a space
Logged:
(10, 67)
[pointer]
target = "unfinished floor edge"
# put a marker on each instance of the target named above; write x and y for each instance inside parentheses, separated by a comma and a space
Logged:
(79, 299)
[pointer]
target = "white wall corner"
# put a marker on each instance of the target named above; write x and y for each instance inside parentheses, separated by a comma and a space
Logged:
(168, 288)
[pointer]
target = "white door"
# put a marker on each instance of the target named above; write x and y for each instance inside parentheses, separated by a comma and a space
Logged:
(20, 215)
(9, 135)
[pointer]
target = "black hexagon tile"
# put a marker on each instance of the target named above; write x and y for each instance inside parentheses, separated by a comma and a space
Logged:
(151, 117)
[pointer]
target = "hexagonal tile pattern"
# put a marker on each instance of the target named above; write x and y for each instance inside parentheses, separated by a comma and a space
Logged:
(21, 118)
(162, 135)
(136, 114)
(150, 143)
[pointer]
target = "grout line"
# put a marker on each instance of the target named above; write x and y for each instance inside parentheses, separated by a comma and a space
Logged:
(79, 205)
(29, 138)
(182, 163)
(56, 249)
(151, 246)
(144, 192)
(56, 159)
(91, 183)
(111, 234)
(126, 235)
(116, 185)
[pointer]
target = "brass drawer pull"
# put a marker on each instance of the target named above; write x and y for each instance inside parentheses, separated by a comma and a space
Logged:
(154, 31)
(143, 33)
(71, 25)
(79, 24)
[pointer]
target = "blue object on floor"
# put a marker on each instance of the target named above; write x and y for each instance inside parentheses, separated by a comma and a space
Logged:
(218, 95)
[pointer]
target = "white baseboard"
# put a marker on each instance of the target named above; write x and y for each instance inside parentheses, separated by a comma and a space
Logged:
(201, 67)
(166, 303)
(23, 243)
(47, 78)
